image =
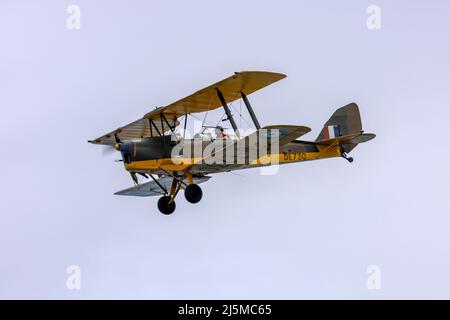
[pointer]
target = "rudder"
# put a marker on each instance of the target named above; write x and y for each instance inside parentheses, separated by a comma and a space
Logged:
(344, 121)
(345, 128)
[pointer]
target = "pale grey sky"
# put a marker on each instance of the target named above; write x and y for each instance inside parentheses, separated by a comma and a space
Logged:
(308, 232)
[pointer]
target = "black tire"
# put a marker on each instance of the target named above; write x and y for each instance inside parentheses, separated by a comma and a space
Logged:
(164, 206)
(193, 193)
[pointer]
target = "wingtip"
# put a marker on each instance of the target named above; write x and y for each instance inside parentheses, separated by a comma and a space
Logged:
(281, 75)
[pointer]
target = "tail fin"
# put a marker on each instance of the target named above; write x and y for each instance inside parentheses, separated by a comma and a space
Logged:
(344, 126)
(344, 121)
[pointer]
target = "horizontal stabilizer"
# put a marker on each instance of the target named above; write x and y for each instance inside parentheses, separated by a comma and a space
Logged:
(151, 188)
(353, 138)
(350, 141)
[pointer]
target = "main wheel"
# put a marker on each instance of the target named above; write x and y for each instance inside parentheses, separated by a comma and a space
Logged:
(164, 206)
(193, 193)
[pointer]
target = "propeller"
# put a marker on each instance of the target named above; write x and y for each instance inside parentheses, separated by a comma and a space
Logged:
(109, 149)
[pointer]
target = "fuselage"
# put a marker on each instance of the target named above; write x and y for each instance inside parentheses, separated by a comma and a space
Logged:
(161, 154)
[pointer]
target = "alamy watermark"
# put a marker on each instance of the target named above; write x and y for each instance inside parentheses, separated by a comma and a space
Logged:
(373, 21)
(73, 21)
(373, 281)
(73, 281)
(261, 148)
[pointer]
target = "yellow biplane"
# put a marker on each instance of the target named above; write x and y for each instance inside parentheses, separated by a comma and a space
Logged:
(154, 148)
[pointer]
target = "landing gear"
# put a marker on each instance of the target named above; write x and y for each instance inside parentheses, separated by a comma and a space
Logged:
(349, 159)
(345, 155)
(165, 205)
(193, 193)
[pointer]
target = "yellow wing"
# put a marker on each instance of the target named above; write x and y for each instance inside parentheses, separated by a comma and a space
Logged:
(158, 120)
(141, 128)
(206, 99)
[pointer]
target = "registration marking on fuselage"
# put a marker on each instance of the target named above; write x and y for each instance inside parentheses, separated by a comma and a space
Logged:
(294, 156)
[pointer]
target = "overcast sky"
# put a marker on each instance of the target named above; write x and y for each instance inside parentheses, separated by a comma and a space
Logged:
(310, 231)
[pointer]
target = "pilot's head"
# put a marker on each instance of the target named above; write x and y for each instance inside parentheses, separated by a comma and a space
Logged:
(219, 131)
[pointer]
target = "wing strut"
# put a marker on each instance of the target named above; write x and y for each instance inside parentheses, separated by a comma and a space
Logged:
(227, 111)
(159, 184)
(250, 110)
(167, 122)
(152, 123)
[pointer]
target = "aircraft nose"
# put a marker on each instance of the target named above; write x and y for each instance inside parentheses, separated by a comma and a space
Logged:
(124, 147)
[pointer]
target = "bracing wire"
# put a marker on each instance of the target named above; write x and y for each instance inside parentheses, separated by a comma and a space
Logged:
(245, 120)
(240, 113)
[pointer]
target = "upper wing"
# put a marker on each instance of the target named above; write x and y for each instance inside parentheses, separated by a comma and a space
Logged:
(151, 188)
(203, 100)
(206, 99)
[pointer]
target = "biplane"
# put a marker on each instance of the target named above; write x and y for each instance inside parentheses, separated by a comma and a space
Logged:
(154, 148)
